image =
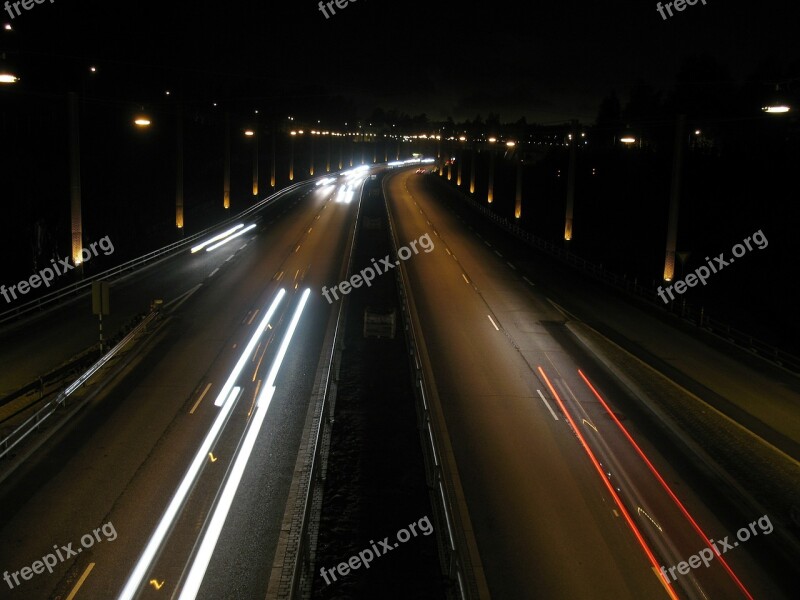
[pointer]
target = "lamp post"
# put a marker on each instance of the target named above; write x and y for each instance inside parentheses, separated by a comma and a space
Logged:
(518, 199)
(292, 135)
(75, 181)
(573, 159)
(472, 170)
(311, 166)
(461, 139)
(272, 160)
(490, 192)
(674, 199)
(179, 171)
(255, 163)
(226, 177)
(328, 155)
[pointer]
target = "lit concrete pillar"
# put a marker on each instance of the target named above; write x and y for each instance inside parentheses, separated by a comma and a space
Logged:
(226, 177)
(674, 198)
(179, 174)
(272, 159)
(328, 157)
(490, 193)
(75, 179)
(311, 160)
(573, 160)
(472, 171)
(291, 155)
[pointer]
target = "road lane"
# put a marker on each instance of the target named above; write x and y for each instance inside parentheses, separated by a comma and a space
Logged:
(122, 461)
(543, 526)
(484, 346)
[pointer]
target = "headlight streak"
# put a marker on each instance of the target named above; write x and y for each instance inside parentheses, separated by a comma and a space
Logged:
(216, 238)
(248, 349)
(203, 557)
(139, 572)
(231, 237)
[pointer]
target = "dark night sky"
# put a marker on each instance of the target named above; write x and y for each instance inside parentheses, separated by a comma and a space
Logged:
(548, 61)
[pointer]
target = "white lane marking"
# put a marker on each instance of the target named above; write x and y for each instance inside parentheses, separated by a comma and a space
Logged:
(230, 257)
(510, 265)
(528, 280)
(493, 323)
(498, 254)
(200, 399)
(243, 246)
(465, 278)
(447, 250)
(547, 404)
(250, 322)
(487, 243)
(213, 272)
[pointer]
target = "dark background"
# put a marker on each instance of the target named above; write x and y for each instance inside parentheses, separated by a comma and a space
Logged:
(511, 70)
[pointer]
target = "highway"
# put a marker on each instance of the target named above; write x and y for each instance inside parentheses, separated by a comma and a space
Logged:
(562, 503)
(570, 493)
(124, 459)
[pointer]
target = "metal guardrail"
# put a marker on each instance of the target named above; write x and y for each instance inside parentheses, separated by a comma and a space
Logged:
(33, 422)
(683, 310)
(76, 288)
(454, 550)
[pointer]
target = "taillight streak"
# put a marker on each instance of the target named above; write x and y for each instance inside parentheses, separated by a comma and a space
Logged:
(651, 557)
(665, 485)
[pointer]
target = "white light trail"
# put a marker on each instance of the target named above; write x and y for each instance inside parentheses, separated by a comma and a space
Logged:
(203, 557)
(248, 350)
(136, 578)
(216, 238)
(229, 238)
